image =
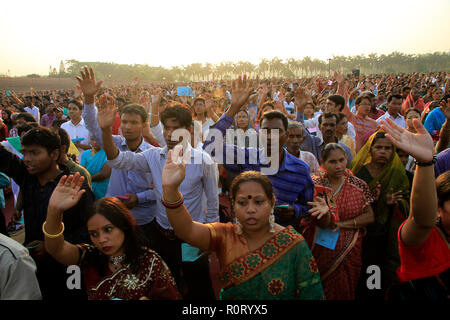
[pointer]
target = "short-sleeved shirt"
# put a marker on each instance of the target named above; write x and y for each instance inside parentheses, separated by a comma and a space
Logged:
(428, 259)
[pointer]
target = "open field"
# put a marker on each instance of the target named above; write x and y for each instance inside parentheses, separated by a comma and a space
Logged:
(24, 84)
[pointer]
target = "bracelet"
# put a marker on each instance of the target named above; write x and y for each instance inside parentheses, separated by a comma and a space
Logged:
(354, 222)
(52, 236)
(172, 205)
(426, 164)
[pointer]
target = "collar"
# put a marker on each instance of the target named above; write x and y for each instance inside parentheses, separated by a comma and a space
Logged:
(81, 123)
(165, 150)
(140, 147)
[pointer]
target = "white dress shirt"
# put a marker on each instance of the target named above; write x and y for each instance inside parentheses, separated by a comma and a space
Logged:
(77, 131)
(399, 120)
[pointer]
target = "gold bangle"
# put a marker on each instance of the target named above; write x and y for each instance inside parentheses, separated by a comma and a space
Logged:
(52, 236)
(354, 222)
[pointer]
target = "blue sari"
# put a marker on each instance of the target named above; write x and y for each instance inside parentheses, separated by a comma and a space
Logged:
(94, 164)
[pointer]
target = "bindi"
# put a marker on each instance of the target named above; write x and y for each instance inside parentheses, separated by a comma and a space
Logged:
(249, 197)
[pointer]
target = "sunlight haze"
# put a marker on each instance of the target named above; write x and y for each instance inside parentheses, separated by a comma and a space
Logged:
(37, 34)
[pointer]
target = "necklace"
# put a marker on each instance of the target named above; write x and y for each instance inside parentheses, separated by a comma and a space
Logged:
(116, 260)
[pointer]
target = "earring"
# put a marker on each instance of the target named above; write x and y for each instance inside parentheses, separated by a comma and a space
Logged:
(239, 226)
(272, 222)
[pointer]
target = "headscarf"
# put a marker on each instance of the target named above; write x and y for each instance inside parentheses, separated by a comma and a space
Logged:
(392, 176)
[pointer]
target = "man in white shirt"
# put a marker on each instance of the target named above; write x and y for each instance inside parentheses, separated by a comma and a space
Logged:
(29, 107)
(76, 127)
(394, 105)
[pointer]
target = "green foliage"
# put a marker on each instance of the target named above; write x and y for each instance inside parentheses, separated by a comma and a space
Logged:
(395, 62)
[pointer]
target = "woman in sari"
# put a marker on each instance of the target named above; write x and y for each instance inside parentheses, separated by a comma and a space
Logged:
(117, 266)
(340, 267)
(258, 258)
(378, 164)
(94, 160)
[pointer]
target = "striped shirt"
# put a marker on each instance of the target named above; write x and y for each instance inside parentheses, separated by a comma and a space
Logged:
(292, 183)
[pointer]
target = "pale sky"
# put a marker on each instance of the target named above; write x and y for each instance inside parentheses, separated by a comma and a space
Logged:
(36, 34)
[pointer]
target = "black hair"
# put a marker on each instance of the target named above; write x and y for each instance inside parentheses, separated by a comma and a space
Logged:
(275, 114)
(341, 116)
(360, 98)
(181, 114)
(392, 96)
(77, 103)
(28, 117)
(330, 147)
(135, 109)
(58, 123)
(63, 136)
(26, 127)
(115, 211)
(328, 115)
(411, 110)
(338, 100)
(43, 137)
(443, 188)
(253, 176)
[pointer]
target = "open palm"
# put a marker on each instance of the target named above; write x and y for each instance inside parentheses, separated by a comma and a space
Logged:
(87, 83)
(174, 169)
(241, 91)
(419, 145)
(67, 193)
(106, 111)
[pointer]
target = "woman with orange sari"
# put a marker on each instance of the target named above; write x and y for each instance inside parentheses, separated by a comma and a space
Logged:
(259, 259)
(340, 265)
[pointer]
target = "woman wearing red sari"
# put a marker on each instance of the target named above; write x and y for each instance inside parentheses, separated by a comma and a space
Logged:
(117, 266)
(351, 197)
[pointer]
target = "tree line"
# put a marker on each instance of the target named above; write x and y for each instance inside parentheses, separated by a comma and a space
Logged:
(396, 62)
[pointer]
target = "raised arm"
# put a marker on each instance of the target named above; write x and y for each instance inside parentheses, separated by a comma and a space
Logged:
(194, 233)
(66, 195)
(423, 212)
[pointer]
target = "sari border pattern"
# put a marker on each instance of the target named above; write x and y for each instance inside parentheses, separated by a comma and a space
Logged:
(254, 262)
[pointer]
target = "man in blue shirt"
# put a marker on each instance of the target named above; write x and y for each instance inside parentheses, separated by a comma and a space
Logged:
(134, 186)
(291, 179)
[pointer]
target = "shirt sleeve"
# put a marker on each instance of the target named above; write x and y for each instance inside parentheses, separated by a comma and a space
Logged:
(234, 153)
(301, 207)
(90, 119)
(146, 196)
(127, 160)
(157, 133)
(210, 185)
(18, 279)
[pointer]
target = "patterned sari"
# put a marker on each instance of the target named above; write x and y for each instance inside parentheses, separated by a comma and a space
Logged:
(153, 280)
(340, 268)
(283, 268)
(380, 245)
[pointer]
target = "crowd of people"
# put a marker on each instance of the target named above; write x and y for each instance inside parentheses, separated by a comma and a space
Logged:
(147, 190)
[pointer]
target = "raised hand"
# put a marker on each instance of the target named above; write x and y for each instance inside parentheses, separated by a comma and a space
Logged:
(339, 77)
(174, 169)
(88, 85)
(106, 111)
(300, 99)
(241, 90)
(419, 145)
(144, 100)
(319, 208)
(67, 193)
